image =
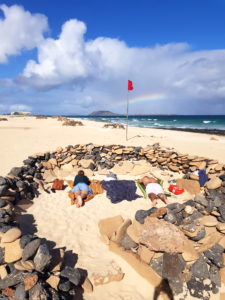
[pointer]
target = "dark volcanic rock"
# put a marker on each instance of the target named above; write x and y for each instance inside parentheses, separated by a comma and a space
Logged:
(142, 214)
(30, 249)
(1, 255)
(3, 189)
(2, 297)
(3, 181)
(54, 295)
(21, 184)
(38, 292)
(30, 161)
(4, 228)
(31, 171)
(176, 285)
(42, 258)
(127, 243)
(200, 235)
(196, 215)
(157, 265)
(16, 171)
(214, 254)
(190, 227)
(222, 211)
(2, 203)
(210, 206)
(37, 175)
(65, 286)
(217, 201)
(173, 265)
(198, 289)
(72, 274)
(222, 177)
(190, 203)
(215, 275)
(179, 217)
(176, 207)
(200, 269)
(170, 217)
(20, 293)
(201, 200)
(5, 216)
(13, 279)
(25, 239)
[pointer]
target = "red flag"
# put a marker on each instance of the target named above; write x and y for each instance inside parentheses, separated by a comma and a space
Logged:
(130, 85)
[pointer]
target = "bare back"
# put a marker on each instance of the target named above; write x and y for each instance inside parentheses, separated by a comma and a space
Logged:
(146, 179)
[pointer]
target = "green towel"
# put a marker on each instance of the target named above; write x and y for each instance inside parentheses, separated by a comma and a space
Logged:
(142, 188)
(160, 181)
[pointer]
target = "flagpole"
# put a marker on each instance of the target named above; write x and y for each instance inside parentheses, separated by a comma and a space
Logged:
(127, 116)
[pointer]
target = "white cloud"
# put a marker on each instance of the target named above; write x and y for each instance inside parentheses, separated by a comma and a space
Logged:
(172, 69)
(75, 75)
(19, 29)
(20, 107)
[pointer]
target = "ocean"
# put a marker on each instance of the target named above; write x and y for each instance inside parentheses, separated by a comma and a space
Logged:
(187, 123)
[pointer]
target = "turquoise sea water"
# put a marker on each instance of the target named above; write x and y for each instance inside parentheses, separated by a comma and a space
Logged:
(171, 121)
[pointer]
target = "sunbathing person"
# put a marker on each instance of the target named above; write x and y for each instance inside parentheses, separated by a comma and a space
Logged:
(153, 189)
(81, 188)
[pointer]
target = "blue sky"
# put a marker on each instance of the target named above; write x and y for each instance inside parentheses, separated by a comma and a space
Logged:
(73, 57)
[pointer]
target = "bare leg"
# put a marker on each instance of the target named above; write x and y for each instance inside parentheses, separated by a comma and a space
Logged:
(163, 198)
(78, 198)
(152, 197)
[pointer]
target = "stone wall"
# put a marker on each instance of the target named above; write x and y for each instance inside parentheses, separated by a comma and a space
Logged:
(27, 267)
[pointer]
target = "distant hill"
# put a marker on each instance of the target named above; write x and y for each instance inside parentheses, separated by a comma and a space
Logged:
(103, 113)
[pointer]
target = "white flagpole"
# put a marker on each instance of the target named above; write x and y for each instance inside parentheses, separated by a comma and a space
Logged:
(127, 115)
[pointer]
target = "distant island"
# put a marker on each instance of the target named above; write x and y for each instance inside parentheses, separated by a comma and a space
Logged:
(103, 113)
(107, 113)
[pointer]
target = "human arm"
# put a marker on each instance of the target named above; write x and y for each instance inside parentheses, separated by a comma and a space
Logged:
(87, 181)
(76, 181)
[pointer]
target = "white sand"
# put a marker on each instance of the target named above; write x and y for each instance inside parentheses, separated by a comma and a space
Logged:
(21, 137)
(77, 229)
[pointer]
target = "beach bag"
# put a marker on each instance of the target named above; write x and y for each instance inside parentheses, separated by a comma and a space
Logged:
(175, 189)
(57, 184)
(203, 178)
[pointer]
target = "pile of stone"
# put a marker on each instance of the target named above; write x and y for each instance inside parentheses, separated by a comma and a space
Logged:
(29, 272)
(60, 118)
(28, 268)
(114, 126)
(69, 122)
(183, 243)
(124, 160)
(3, 119)
(41, 117)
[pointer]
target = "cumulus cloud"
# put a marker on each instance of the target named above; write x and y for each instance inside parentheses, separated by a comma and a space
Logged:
(19, 30)
(172, 68)
(75, 75)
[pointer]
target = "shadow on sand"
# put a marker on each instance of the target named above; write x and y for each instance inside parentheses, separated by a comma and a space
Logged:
(164, 288)
(28, 225)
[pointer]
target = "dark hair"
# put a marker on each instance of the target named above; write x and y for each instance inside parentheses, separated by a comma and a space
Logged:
(81, 173)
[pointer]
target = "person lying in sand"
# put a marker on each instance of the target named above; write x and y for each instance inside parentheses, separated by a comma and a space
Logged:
(81, 188)
(153, 189)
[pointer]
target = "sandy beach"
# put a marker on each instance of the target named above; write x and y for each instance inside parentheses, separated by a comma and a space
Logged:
(23, 136)
(77, 229)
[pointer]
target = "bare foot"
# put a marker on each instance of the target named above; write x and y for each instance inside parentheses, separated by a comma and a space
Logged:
(163, 198)
(79, 201)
